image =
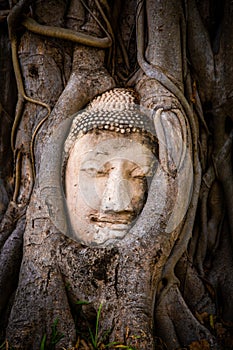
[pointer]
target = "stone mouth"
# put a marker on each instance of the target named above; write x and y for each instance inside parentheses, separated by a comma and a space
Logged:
(111, 221)
(114, 227)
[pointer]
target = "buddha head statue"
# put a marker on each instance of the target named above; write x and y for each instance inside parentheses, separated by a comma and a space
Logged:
(109, 159)
(117, 172)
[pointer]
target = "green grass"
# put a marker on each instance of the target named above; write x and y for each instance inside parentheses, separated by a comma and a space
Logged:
(93, 338)
(98, 341)
(6, 346)
(56, 336)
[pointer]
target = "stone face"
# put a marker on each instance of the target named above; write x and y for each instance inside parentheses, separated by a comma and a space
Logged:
(106, 183)
(109, 177)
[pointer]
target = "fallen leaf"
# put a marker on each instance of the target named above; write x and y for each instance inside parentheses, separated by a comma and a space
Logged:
(200, 345)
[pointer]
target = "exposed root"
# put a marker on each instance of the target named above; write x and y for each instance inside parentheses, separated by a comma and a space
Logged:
(32, 144)
(10, 260)
(162, 77)
(171, 312)
(55, 32)
(13, 18)
(17, 176)
(67, 34)
(11, 216)
(111, 56)
(207, 183)
(21, 93)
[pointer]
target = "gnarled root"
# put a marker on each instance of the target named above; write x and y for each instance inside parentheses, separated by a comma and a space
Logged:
(175, 323)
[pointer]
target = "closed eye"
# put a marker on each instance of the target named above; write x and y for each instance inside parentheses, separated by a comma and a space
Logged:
(93, 172)
(141, 172)
(137, 173)
(90, 171)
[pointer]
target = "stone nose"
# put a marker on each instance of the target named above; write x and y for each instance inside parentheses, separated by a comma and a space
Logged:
(117, 194)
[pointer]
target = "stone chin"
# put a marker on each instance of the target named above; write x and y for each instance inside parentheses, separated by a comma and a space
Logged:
(104, 235)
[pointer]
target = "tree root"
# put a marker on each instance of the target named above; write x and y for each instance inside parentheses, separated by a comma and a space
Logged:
(13, 20)
(10, 260)
(66, 34)
(207, 183)
(55, 32)
(8, 223)
(17, 176)
(223, 167)
(175, 323)
(41, 295)
(162, 77)
(21, 93)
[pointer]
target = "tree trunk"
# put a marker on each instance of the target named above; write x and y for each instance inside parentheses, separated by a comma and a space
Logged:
(168, 283)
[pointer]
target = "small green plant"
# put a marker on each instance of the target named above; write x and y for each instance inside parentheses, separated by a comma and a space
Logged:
(43, 343)
(95, 337)
(82, 302)
(56, 336)
(6, 346)
(98, 341)
(91, 339)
